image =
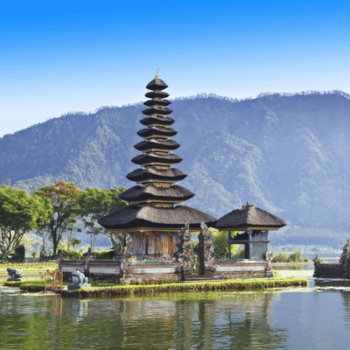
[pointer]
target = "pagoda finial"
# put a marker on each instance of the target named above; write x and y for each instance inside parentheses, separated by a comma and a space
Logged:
(157, 74)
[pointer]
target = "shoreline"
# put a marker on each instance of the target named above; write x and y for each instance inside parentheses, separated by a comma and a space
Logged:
(141, 290)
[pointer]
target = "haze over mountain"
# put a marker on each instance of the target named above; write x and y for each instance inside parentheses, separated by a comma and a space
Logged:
(288, 154)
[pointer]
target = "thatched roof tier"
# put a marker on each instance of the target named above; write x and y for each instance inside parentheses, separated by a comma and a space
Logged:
(158, 102)
(150, 192)
(157, 110)
(249, 218)
(151, 173)
(166, 145)
(157, 131)
(153, 158)
(157, 94)
(156, 84)
(136, 217)
(154, 120)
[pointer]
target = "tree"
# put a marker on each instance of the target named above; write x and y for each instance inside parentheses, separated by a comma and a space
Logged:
(95, 203)
(19, 213)
(220, 243)
(63, 196)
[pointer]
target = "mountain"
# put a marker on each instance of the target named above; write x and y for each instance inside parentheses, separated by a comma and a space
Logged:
(287, 153)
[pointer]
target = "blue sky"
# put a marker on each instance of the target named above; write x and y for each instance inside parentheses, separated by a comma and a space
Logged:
(63, 56)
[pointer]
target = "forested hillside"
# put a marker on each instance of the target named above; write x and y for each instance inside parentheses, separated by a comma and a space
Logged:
(288, 154)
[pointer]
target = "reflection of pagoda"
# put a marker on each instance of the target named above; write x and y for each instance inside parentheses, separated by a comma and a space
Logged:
(156, 209)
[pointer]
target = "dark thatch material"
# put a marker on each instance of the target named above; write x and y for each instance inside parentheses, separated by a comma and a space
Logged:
(136, 216)
(249, 217)
(151, 173)
(157, 94)
(156, 84)
(166, 145)
(153, 158)
(157, 131)
(151, 103)
(157, 120)
(158, 110)
(143, 193)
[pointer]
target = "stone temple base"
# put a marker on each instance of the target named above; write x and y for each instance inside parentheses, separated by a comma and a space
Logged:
(229, 269)
(139, 272)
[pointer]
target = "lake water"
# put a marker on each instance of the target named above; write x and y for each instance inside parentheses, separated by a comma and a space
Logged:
(309, 318)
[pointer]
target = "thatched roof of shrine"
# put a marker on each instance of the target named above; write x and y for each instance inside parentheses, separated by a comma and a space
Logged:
(157, 94)
(153, 158)
(166, 145)
(143, 193)
(157, 131)
(159, 209)
(157, 120)
(157, 110)
(137, 217)
(156, 84)
(151, 173)
(249, 217)
(151, 103)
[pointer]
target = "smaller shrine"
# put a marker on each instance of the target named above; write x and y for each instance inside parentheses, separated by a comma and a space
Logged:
(253, 224)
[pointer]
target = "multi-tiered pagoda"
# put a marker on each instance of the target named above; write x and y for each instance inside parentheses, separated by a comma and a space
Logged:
(156, 211)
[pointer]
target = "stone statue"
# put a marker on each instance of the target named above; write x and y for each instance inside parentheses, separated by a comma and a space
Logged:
(178, 246)
(126, 255)
(186, 248)
(14, 274)
(268, 258)
(208, 249)
(79, 280)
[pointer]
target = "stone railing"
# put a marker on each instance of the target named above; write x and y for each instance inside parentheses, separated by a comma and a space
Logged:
(92, 268)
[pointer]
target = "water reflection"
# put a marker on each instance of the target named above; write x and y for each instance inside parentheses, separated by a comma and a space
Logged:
(238, 321)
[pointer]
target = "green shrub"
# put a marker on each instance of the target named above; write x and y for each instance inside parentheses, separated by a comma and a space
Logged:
(280, 258)
(239, 254)
(295, 257)
(104, 255)
(72, 255)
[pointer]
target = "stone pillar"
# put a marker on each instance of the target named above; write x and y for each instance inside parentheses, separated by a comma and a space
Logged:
(201, 253)
(229, 244)
(208, 249)
(186, 248)
(248, 250)
(146, 244)
(126, 255)
(183, 251)
(268, 258)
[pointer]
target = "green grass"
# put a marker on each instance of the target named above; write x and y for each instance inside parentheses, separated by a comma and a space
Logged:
(131, 290)
(228, 285)
(30, 268)
(29, 286)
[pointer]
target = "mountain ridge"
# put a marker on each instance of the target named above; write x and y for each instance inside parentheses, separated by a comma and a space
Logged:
(289, 154)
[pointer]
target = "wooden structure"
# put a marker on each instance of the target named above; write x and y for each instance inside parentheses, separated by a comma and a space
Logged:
(253, 224)
(52, 280)
(156, 213)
